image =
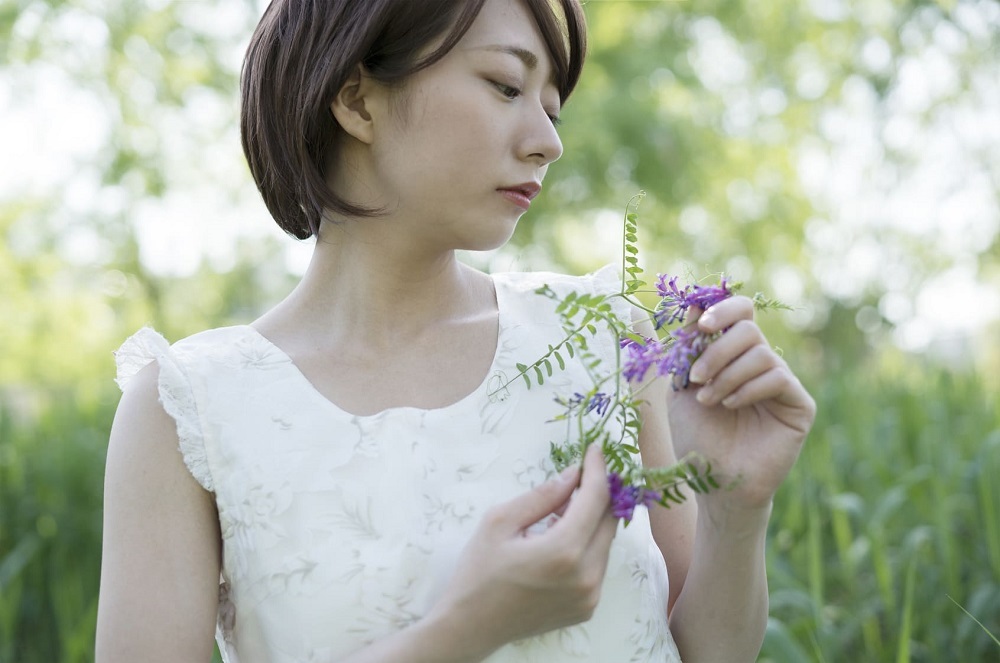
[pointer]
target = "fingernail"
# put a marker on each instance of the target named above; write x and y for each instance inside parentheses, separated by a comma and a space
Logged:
(704, 395)
(707, 320)
(729, 401)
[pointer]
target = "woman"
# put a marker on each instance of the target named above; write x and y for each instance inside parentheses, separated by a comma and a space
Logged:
(367, 499)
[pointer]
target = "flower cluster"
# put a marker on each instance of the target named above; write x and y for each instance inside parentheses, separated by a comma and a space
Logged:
(674, 355)
(675, 302)
(625, 498)
(609, 414)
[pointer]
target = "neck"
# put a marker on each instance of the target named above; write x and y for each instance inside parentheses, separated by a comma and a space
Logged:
(368, 282)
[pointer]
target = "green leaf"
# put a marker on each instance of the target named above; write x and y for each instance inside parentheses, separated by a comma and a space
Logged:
(538, 375)
(559, 360)
(548, 367)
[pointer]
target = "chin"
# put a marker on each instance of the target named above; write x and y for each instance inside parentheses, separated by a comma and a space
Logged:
(485, 242)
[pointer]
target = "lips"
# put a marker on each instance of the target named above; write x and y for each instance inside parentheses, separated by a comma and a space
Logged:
(521, 194)
(528, 189)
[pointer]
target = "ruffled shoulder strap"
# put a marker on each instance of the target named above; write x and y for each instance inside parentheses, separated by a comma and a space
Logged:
(175, 394)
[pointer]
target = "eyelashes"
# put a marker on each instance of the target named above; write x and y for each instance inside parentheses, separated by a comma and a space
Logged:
(512, 92)
(508, 91)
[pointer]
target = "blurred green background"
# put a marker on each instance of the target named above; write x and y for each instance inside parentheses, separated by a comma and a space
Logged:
(840, 155)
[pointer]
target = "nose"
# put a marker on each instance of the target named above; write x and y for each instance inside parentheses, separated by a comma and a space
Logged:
(541, 142)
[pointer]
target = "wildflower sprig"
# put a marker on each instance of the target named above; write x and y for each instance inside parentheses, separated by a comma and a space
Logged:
(608, 414)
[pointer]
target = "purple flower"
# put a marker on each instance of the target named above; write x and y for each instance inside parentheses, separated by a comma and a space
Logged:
(639, 357)
(675, 302)
(625, 498)
(674, 358)
(599, 401)
(687, 346)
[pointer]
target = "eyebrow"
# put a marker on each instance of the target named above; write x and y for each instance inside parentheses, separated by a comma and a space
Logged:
(529, 59)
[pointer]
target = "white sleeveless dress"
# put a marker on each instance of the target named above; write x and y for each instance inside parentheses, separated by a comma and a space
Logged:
(339, 530)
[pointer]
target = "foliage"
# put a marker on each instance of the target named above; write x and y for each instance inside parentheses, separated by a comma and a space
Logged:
(893, 508)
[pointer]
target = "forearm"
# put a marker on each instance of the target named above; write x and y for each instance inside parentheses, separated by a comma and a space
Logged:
(721, 614)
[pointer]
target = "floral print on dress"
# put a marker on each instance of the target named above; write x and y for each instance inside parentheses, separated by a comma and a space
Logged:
(440, 514)
(368, 429)
(227, 614)
(573, 642)
(533, 474)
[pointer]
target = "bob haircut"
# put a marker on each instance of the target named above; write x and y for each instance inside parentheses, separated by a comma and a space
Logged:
(304, 51)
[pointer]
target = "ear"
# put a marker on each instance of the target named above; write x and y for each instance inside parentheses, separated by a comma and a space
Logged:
(354, 103)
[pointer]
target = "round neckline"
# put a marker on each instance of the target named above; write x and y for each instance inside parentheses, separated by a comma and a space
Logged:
(480, 389)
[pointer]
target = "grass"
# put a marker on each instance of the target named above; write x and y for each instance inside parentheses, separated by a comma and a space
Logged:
(893, 508)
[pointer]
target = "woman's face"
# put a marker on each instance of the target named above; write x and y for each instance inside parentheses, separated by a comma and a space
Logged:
(473, 135)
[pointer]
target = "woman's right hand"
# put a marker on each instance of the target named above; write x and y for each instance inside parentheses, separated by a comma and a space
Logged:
(509, 584)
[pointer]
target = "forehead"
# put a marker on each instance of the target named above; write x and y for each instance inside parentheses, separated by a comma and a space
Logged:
(506, 26)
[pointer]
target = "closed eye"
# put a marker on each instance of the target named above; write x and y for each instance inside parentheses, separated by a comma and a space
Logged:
(508, 91)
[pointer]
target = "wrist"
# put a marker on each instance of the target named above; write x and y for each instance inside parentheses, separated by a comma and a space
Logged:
(720, 517)
(452, 638)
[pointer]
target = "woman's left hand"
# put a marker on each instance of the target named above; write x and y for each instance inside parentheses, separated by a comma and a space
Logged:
(745, 411)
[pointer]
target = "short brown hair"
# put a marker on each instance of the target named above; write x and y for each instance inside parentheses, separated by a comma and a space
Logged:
(303, 52)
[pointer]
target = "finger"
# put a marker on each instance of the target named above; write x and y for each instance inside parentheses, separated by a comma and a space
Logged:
(591, 501)
(528, 508)
(600, 545)
(725, 314)
(765, 385)
(756, 361)
(741, 337)
(779, 385)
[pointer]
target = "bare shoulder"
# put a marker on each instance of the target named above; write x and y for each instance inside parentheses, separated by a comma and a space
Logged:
(141, 425)
(160, 565)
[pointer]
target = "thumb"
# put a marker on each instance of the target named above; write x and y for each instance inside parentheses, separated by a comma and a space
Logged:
(528, 508)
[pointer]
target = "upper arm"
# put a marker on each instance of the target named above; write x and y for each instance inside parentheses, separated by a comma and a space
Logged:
(161, 551)
(673, 528)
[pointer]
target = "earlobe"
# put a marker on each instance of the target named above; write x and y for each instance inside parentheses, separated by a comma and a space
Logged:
(351, 106)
